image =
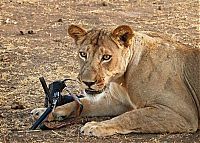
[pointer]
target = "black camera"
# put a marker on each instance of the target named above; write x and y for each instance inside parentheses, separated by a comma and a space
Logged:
(53, 98)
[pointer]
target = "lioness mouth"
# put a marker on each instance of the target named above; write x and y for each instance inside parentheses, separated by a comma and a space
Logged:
(92, 91)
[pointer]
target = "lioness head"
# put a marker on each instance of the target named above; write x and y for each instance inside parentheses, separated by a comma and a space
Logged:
(103, 55)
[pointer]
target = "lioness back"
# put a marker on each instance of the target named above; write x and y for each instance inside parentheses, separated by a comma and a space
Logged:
(167, 73)
(191, 75)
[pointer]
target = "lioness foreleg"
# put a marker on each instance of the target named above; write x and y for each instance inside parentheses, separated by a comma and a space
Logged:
(145, 120)
(105, 106)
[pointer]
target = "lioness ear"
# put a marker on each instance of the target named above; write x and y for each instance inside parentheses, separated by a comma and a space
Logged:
(76, 32)
(123, 34)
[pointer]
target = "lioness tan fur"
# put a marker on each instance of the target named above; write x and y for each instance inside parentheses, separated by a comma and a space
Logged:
(150, 83)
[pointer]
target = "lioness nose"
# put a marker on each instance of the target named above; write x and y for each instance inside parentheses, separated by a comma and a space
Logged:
(89, 84)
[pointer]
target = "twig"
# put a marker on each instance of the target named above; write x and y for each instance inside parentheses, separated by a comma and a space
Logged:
(78, 138)
(28, 131)
(58, 134)
(4, 138)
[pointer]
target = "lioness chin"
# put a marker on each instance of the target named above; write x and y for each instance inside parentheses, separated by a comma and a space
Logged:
(150, 83)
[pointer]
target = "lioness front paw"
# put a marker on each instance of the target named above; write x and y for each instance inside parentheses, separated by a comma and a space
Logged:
(97, 129)
(37, 112)
(59, 114)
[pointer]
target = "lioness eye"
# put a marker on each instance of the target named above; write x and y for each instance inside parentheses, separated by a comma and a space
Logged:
(106, 57)
(83, 55)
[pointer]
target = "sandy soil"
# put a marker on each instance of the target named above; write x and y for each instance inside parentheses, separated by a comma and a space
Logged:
(34, 43)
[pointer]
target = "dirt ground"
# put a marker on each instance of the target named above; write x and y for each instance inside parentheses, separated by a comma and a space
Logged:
(34, 43)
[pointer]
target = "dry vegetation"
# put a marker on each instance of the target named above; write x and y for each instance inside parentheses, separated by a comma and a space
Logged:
(34, 43)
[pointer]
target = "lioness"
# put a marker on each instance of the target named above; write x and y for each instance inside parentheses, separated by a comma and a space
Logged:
(150, 83)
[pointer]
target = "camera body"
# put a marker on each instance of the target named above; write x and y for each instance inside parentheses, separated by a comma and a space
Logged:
(53, 98)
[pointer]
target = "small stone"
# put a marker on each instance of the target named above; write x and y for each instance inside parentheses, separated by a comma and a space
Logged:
(2, 115)
(21, 32)
(17, 105)
(60, 20)
(7, 107)
(104, 3)
(30, 32)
